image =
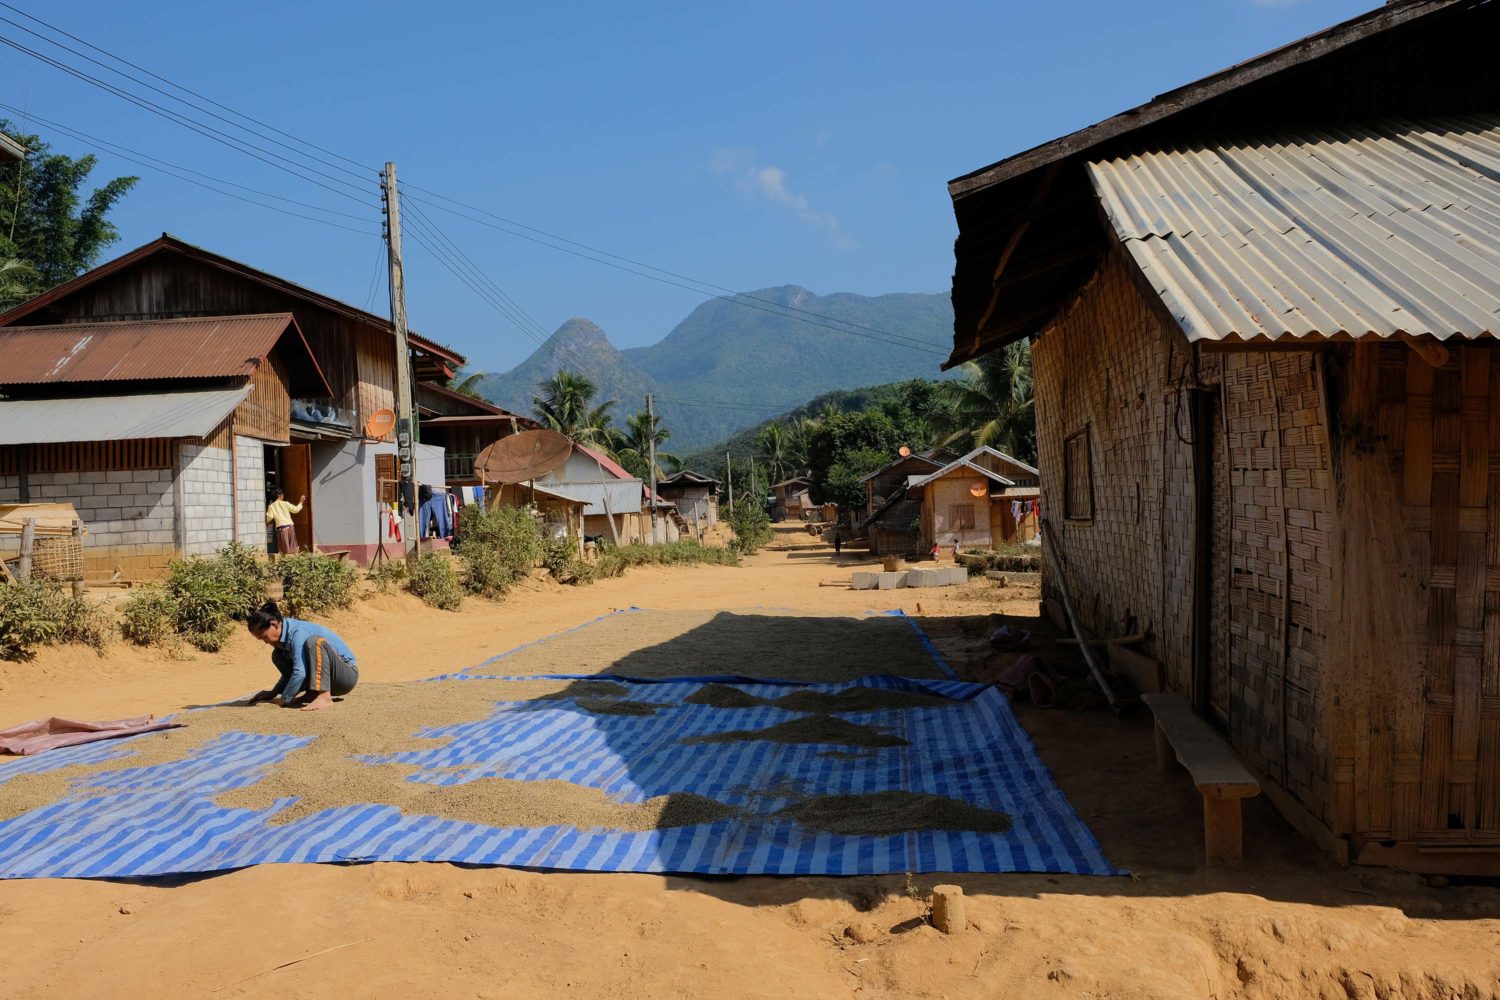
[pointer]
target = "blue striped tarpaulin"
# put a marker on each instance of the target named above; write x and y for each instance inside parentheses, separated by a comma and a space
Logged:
(162, 819)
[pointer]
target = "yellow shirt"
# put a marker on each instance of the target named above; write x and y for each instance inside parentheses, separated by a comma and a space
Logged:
(281, 512)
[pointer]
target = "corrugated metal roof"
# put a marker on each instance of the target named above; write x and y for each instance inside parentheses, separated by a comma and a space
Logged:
(1384, 229)
(117, 418)
(217, 347)
(624, 495)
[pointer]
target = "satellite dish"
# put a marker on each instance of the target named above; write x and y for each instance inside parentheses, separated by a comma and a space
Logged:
(903, 451)
(978, 489)
(518, 458)
(380, 423)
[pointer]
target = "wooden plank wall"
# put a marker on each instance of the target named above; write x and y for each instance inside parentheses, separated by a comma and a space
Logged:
(375, 355)
(1418, 758)
(90, 456)
(267, 412)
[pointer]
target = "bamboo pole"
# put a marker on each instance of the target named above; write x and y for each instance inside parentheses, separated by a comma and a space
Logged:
(1083, 646)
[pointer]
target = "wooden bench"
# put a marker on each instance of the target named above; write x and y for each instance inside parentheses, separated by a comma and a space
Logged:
(1184, 738)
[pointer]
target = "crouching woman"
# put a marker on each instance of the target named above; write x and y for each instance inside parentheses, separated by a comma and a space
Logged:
(314, 663)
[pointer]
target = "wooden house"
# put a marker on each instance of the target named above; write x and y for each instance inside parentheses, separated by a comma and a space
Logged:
(131, 422)
(1262, 311)
(890, 518)
(791, 498)
(463, 426)
(617, 504)
(309, 439)
(696, 498)
(968, 502)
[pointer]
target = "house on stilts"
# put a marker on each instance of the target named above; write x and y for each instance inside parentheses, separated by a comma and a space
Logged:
(1262, 310)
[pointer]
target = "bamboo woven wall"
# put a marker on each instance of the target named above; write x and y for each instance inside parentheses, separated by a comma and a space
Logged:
(1111, 365)
(1417, 757)
(1279, 560)
(1103, 365)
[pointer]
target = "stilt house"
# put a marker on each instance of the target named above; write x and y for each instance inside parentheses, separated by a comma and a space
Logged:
(1263, 309)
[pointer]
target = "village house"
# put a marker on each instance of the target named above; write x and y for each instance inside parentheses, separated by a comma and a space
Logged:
(215, 382)
(617, 505)
(792, 501)
(1262, 311)
(973, 500)
(891, 518)
(695, 497)
(463, 426)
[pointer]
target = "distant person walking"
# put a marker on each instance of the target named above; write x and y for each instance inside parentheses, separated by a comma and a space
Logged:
(279, 513)
(838, 540)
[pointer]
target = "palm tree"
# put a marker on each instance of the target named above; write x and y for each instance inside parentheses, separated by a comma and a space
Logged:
(463, 384)
(799, 441)
(635, 444)
(992, 405)
(772, 445)
(14, 287)
(565, 406)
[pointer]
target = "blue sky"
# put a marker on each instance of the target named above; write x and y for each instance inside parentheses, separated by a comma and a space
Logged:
(746, 145)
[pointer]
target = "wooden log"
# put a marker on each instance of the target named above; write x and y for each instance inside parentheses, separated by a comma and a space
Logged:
(28, 541)
(1223, 832)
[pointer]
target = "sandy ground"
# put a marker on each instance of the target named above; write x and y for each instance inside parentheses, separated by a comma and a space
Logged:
(1288, 925)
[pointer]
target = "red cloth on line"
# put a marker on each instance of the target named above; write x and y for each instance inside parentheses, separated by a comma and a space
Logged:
(49, 734)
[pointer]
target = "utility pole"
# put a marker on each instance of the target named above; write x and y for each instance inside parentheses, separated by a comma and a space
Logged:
(729, 474)
(405, 419)
(651, 447)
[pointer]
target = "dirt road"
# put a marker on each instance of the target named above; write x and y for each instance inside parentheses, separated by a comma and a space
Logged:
(1288, 925)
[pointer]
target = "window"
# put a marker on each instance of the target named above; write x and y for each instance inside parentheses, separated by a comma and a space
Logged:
(387, 482)
(1078, 478)
(961, 517)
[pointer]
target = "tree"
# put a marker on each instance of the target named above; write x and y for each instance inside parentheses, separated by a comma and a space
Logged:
(837, 440)
(634, 450)
(772, 446)
(465, 384)
(565, 405)
(992, 405)
(45, 220)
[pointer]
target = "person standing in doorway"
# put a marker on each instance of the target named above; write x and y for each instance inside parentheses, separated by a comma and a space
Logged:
(279, 513)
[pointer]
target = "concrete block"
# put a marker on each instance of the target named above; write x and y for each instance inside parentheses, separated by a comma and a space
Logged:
(65, 478)
(922, 578)
(163, 537)
(892, 581)
(954, 576)
(865, 581)
(106, 489)
(118, 477)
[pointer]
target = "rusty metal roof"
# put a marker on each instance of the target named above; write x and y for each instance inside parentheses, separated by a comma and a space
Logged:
(144, 350)
(1376, 230)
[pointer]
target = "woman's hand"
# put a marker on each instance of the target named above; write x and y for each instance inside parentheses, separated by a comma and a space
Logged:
(260, 696)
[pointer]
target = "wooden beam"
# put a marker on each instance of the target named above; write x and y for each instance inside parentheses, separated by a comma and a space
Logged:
(1430, 351)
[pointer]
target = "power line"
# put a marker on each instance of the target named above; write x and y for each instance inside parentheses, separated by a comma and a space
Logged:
(921, 346)
(210, 187)
(207, 131)
(729, 294)
(165, 93)
(187, 90)
(137, 156)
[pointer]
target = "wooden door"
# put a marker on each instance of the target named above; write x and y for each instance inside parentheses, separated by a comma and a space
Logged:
(296, 480)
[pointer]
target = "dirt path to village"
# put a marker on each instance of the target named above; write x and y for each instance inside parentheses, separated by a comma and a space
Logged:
(1288, 925)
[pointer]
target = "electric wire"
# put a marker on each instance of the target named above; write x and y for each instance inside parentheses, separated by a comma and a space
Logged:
(204, 130)
(187, 90)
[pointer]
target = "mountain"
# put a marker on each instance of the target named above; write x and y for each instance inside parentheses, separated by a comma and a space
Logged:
(754, 355)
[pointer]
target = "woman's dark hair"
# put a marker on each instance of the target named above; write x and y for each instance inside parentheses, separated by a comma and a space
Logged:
(263, 617)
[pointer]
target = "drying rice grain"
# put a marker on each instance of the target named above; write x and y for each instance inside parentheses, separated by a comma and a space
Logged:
(886, 813)
(810, 729)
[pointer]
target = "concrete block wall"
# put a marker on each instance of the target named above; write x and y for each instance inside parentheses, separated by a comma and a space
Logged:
(129, 516)
(250, 491)
(206, 487)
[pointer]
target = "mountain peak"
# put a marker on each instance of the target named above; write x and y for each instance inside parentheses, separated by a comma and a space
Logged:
(579, 331)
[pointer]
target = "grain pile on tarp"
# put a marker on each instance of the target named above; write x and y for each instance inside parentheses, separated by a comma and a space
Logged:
(523, 772)
(760, 643)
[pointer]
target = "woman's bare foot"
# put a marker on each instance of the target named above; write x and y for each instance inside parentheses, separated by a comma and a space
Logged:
(323, 700)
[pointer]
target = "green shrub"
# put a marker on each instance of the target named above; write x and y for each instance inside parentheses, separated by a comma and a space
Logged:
(245, 573)
(614, 560)
(210, 638)
(560, 557)
(40, 614)
(386, 573)
(149, 616)
(434, 578)
(314, 584)
(751, 526)
(499, 546)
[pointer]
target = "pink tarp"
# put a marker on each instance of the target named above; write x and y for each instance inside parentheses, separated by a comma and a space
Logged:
(49, 734)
